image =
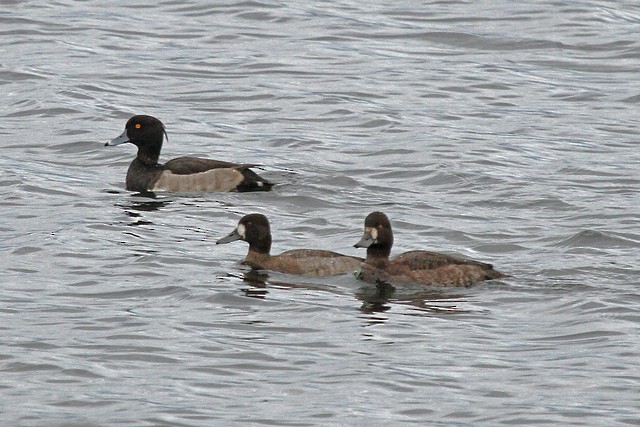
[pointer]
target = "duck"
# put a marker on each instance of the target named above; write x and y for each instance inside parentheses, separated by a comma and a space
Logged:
(414, 267)
(255, 230)
(182, 174)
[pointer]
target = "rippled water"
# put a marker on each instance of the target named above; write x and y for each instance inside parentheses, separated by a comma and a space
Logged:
(500, 131)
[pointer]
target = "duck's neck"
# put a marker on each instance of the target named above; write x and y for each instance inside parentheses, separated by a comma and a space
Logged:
(260, 243)
(148, 155)
(256, 259)
(378, 256)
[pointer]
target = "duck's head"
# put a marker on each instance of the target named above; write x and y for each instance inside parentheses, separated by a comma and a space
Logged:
(145, 132)
(377, 237)
(253, 229)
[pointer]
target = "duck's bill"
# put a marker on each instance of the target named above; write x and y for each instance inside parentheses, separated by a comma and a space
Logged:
(366, 241)
(231, 237)
(119, 140)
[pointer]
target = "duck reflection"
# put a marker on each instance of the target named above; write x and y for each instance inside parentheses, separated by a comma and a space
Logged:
(260, 283)
(382, 297)
(375, 299)
(141, 203)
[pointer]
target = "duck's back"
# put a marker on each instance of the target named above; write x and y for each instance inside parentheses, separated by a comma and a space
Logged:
(188, 165)
(454, 275)
(313, 262)
(427, 260)
(315, 253)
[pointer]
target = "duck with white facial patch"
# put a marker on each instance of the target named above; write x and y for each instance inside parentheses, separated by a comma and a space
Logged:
(414, 267)
(255, 230)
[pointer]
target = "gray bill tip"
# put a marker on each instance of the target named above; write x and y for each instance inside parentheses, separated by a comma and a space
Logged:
(231, 237)
(119, 140)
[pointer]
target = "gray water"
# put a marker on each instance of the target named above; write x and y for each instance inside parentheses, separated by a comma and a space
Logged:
(500, 131)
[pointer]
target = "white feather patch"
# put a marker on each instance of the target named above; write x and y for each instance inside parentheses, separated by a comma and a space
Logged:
(242, 231)
(374, 233)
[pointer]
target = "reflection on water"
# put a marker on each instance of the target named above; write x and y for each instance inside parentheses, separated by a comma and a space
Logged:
(257, 281)
(260, 283)
(135, 207)
(377, 298)
(428, 300)
(501, 131)
(146, 205)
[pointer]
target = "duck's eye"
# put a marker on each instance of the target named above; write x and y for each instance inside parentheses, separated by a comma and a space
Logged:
(138, 125)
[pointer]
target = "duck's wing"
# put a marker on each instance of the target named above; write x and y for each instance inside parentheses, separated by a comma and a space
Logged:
(189, 165)
(316, 253)
(427, 260)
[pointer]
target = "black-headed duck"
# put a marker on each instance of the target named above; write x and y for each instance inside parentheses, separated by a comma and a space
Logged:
(183, 173)
(254, 229)
(418, 267)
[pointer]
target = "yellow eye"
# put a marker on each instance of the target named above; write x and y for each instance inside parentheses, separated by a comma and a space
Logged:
(138, 125)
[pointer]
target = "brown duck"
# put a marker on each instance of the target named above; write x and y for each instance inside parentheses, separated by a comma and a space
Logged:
(183, 173)
(420, 267)
(254, 229)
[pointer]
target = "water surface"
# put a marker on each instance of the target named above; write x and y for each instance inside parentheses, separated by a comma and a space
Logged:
(493, 130)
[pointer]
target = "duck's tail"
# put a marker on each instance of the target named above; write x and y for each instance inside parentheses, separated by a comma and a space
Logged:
(252, 181)
(491, 274)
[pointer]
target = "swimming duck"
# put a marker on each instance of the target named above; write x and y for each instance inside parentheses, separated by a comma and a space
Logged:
(419, 267)
(183, 173)
(254, 229)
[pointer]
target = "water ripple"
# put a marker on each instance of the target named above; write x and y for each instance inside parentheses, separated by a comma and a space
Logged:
(504, 132)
